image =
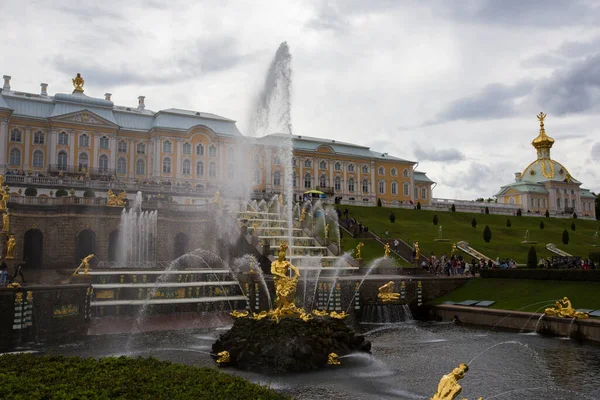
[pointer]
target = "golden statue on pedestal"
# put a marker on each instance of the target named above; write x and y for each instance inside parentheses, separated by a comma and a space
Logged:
(386, 250)
(333, 359)
(280, 200)
(326, 231)
(303, 215)
(357, 254)
(448, 388)
(454, 248)
(417, 251)
(564, 309)
(285, 286)
(217, 198)
(224, 357)
(78, 83)
(6, 221)
(115, 200)
(85, 264)
(255, 229)
(386, 293)
(10, 248)
(5, 196)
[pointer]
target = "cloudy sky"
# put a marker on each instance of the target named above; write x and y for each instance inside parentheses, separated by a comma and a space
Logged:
(452, 84)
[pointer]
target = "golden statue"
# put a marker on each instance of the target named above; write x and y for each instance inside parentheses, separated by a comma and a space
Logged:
(1, 180)
(386, 250)
(318, 313)
(306, 317)
(280, 200)
(85, 264)
(259, 316)
(564, 309)
(238, 314)
(6, 221)
(453, 248)
(303, 215)
(340, 315)
(115, 200)
(417, 251)
(255, 229)
(541, 117)
(285, 287)
(217, 198)
(5, 197)
(386, 293)
(357, 254)
(326, 231)
(78, 83)
(10, 248)
(332, 359)
(448, 388)
(224, 357)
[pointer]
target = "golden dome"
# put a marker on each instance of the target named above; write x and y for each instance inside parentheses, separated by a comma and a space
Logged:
(542, 141)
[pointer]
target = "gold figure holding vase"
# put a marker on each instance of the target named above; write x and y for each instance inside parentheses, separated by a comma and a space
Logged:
(417, 251)
(564, 309)
(285, 287)
(386, 293)
(333, 359)
(115, 200)
(10, 248)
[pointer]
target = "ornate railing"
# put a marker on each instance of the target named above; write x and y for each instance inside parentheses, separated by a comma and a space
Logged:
(82, 170)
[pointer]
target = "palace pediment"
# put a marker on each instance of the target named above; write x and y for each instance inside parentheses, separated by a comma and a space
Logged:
(84, 117)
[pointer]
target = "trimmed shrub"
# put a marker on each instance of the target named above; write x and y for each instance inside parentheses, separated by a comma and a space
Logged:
(61, 193)
(453, 208)
(31, 192)
(565, 237)
(573, 226)
(487, 234)
(508, 223)
(418, 205)
(392, 218)
(378, 202)
(541, 224)
(474, 223)
(487, 210)
(435, 219)
(89, 193)
(532, 258)
(547, 214)
(519, 212)
(574, 215)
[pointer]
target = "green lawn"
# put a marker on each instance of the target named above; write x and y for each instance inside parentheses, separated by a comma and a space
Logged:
(370, 251)
(416, 225)
(516, 294)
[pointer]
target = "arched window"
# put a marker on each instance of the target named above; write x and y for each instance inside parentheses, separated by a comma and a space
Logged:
(573, 203)
(276, 160)
(257, 176)
(351, 185)
(532, 202)
(38, 137)
(199, 168)
(323, 165)
(63, 138)
(187, 167)
(365, 186)
(307, 181)
(84, 140)
(103, 163)
(337, 184)
(199, 150)
(212, 170)
(187, 148)
(277, 178)
(381, 187)
(231, 171)
(15, 135)
(295, 179)
(558, 202)
(122, 148)
(406, 189)
(512, 201)
(424, 193)
(167, 147)
(381, 171)
(141, 148)
(83, 162)
(394, 188)
(122, 166)
(230, 154)
(140, 167)
(405, 173)
(15, 157)
(104, 142)
(38, 159)
(62, 160)
(394, 172)
(212, 151)
(337, 166)
(416, 193)
(351, 167)
(323, 181)
(307, 163)
(166, 165)
(365, 169)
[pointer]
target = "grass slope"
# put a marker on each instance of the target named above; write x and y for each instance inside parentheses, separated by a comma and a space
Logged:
(516, 294)
(416, 225)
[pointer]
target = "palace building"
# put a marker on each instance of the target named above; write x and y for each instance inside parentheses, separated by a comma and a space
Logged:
(188, 154)
(546, 184)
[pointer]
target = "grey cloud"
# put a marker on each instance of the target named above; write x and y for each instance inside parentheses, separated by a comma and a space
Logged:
(336, 15)
(447, 155)
(486, 179)
(211, 55)
(596, 151)
(545, 60)
(564, 54)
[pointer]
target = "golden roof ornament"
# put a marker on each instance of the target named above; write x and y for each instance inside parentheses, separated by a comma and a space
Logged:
(78, 83)
(542, 141)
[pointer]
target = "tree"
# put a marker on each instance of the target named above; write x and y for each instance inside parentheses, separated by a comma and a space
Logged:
(89, 193)
(61, 193)
(565, 237)
(487, 210)
(453, 208)
(31, 192)
(435, 219)
(541, 224)
(597, 205)
(547, 214)
(418, 205)
(508, 224)
(532, 258)
(378, 202)
(392, 218)
(519, 212)
(574, 215)
(573, 226)
(487, 234)
(474, 222)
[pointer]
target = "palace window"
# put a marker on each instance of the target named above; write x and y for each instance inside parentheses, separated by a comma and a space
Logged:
(167, 148)
(186, 167)
(104, 142)
(199, 168)
(558, 203)
(62, 161)
(307, 163)
(103, 163)
(212, 151)
(257, 176)
(295, 179)
(38, 137)
(337, 184)
(365, 169)
(166, 165)
(365, 186)
(140, 167)
(573, 203)
(38, 159)
(394, 172)
(122, 148)
(84, 140)
(63, 138)
(230, 154)
(406, 189)
(394, 188)
(187, 148)
(424, 193)
(323, 181)
(323, 165)
(294, 162)
(141, 148)
(351, 167)
(15, 157)
(199, 150)
(15, 135)
(381, 171)
(351, 185)
(512, 201)
(405, 173)
(212, 169)
(416, 193)
(532, 202)
(231, 171)
(277, 178)
(276, 160)
(83, 162)
(381, 187)
(122, 166)
(307, 181)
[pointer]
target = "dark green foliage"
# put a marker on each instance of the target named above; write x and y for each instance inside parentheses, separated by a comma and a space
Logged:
(565, 237)
(487, 234)
(418, 205)
(547, 214)
(31, 192)
(89, 193)
(435, 219)
(574, 215)
(474, 222)
(453, 208)
(487, 210)
(26, 376)
(541, 224)
(61, 193)
(597, 205)
(557, 274)
(508, 223)
(532, 258)
(519, 212)
(572, 226)
(392, 218)
(595, 256)
(378, 202)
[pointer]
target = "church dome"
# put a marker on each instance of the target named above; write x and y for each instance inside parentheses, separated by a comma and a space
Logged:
(545, 169)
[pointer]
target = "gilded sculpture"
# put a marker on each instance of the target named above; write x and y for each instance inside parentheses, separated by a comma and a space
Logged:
(448, 388)
(6, 221)
(417, 251)
(386, 250)
(78, 83)
(326, 231)
(280, 200)
(217, 198)
(322, 313)
(224, 357)
(333, 359)
(238, 314)
(115, 200)
(85, 264)
(454, 248)
(303, 215)
(564, 309)
(386, 293)
(357, 254)
(10, 248)
(259, 316)
(285, 286)
(340, 315)
(255, 229)
(5, 193)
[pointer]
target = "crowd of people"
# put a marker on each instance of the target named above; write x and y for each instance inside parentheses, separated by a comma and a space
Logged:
(5, 279)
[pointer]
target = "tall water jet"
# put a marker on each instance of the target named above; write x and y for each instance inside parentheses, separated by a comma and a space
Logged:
(137, 239)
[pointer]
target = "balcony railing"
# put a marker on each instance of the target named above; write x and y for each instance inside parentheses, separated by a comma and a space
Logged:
(326, 189)
(57, 169)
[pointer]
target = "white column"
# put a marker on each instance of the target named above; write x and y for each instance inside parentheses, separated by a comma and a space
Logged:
(372, 187)
(331, 182)
(411, 192)
(178, 169)
(3, 144)
(52, 143)
(316, 168)
(301, 175)
(113, 152)
(358, 178)
(131, 148)
(156, 158)
(345, 183)
(26, 149)
(96, 139)
(72, 160)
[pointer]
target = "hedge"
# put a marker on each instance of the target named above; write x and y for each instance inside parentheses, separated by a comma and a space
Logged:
(26, 376)
(89, 193)
(61, 193)
(31, 192)
(543, 274)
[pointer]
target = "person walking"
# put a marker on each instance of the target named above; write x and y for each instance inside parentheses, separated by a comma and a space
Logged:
(396, 244)
(3, 274)
(386, 234)
(19, 272)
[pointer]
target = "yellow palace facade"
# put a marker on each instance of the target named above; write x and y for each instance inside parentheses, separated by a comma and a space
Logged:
(92, 139)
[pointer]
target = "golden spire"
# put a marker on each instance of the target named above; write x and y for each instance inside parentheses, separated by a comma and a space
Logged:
(542, 140)
(78, 83)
